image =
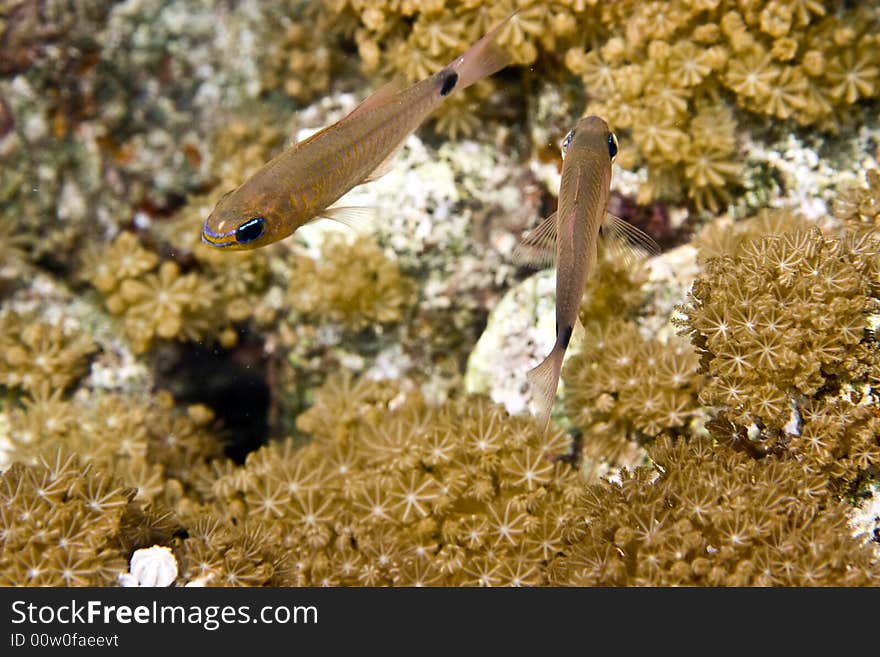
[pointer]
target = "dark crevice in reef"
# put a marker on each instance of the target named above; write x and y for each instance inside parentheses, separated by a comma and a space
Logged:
(232, 383)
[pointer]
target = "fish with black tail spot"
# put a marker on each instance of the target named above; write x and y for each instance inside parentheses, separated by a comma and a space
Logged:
(303, 182)
(569, 237)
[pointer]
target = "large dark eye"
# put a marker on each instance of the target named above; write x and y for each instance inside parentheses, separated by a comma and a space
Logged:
(612, 146)
(250, 230)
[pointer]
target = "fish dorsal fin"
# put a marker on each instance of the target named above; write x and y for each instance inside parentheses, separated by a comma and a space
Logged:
(538, 248)
(378, 98)
(359, 219)
(626, 240)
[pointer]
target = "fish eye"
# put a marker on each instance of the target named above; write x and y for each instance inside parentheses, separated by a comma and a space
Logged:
(567, 142)
(250, 230)
(612, 146)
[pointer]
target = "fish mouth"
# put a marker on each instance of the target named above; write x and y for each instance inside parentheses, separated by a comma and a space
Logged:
(219, 240)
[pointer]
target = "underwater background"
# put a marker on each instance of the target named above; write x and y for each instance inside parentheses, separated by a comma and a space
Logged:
(349, 407)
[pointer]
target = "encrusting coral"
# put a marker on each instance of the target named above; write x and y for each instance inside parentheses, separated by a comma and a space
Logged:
(353, 283)
(157, 299)
(623, 388)
(762, 358)
(34, 353)
(799, 383)
(145, 442)
(676, 64)
(705, 514)
(669, 73)
(65, 524)
(391, 491)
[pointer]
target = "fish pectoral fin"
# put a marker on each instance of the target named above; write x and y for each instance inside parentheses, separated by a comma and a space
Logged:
(359, 219)
(538, 248)
(626, 240)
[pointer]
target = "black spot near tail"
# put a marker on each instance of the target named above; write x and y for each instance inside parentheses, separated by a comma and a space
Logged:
(566, 336)
(450, 79)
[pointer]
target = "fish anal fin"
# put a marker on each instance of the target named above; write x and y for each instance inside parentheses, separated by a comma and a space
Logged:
(626, 240)
(538, 248)
(359, 219)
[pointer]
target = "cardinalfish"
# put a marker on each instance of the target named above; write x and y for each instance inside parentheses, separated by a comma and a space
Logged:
(569, 238)
(303, 182)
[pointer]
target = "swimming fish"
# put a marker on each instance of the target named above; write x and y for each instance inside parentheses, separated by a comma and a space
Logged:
(569, 237)
(304, 181)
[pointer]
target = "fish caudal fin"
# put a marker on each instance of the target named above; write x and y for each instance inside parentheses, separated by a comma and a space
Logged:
(543, 381)
(482, 59)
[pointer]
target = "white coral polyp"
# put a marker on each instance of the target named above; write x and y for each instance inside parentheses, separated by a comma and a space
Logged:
(155, 566)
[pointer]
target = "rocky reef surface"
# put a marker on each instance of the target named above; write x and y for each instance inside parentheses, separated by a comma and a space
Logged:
(349, 406)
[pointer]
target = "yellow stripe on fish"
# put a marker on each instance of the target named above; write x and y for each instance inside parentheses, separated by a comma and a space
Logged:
(303, 182)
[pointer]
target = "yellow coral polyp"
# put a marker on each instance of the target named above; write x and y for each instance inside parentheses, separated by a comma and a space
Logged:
(125, 258)
(686, 64)
(752, 74)
(708, 167)
(854, 76)
(776, 18)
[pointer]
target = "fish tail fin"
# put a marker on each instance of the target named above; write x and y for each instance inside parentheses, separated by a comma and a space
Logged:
(543, 381)
(483, 58)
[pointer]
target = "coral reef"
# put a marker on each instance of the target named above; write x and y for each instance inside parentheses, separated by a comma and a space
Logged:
(108, 112)
(318, 413)
(656, 67)
(352, 283)
(683, 63)
(622, 387)
(392, 491)
(710, 515)
(158, 300)
(762, 359)
(35, 354)
(68, 525)
(146, 443)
